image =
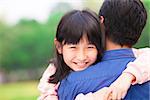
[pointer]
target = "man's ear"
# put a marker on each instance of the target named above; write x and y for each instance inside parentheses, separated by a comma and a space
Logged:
(58, 46)
(101, 19)
(102, 25)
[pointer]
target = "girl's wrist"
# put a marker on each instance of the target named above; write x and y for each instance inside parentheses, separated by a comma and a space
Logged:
(128, 76)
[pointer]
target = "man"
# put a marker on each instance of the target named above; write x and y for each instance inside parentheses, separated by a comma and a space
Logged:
(122, 22)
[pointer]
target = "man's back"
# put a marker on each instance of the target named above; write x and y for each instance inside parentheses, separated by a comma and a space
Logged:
(101, 75)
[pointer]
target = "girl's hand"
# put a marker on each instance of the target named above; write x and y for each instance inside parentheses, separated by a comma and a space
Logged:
(50, 92)
(98, 95)
(51, 97)
(119, 88)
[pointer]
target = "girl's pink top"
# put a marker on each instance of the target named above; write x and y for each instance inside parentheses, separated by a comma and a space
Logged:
(140, 68)
(48, 90)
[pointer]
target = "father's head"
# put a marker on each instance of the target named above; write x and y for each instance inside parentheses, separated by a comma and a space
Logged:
(124, 20)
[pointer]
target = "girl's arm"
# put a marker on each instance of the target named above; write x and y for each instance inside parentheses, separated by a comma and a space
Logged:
(140, 68)
(116, 91)
(136, 72)
(98, 95)
(48, 90)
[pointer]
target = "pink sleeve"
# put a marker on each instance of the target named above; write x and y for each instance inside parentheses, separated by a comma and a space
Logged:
(48, 90)
(140, 68)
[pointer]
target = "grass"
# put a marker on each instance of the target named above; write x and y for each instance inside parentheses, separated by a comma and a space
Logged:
(19, 91)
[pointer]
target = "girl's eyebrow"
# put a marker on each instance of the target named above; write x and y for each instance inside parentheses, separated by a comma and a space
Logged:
(90, 43)
(70, 43)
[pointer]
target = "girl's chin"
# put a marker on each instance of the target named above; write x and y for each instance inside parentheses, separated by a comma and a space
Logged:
(80, 69)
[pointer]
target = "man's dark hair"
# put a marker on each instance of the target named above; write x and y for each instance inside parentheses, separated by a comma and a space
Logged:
(124, 20)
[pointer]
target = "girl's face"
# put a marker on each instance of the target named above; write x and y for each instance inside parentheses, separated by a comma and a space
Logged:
(79, 56)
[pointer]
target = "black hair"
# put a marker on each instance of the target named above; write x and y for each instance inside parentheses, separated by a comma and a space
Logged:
(124, 20)
(71, 28)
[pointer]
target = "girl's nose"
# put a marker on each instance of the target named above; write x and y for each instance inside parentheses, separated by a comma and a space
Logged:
(81, 56)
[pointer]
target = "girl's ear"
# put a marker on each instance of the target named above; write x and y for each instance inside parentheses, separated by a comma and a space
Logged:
(58, 46)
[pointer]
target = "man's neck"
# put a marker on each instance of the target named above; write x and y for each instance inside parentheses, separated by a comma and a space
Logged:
(113, 46)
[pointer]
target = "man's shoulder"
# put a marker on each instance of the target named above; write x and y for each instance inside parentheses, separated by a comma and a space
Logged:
(92, 72)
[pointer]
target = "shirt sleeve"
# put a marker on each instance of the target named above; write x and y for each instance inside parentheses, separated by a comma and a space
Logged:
(140, 68)
(47, 90)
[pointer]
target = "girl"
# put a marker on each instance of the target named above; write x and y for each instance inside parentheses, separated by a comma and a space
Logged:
(79, 44)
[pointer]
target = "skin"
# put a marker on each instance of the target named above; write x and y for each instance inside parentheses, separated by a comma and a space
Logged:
(78, 56)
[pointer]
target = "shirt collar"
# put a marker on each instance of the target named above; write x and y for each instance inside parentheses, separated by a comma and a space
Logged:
(117, 54)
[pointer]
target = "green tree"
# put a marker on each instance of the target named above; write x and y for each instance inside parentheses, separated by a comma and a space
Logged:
(28, 44)
(25, 45)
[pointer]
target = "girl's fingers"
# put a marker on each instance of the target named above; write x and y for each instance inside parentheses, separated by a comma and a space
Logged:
(119, 96)
(54, 93)
(107, 94)
(109, 97)
(114, 95)
(123, 95)
(57, 85)
(50, 97)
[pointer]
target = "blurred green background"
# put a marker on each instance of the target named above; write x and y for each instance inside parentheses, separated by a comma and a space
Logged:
(27, 46)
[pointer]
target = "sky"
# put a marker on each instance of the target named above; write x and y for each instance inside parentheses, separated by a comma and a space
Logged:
(13, 10)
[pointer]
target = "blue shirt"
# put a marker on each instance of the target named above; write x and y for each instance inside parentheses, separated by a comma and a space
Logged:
(101, 75)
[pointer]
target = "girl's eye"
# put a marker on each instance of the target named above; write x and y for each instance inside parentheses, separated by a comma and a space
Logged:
(72, 47)
(91, 46)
